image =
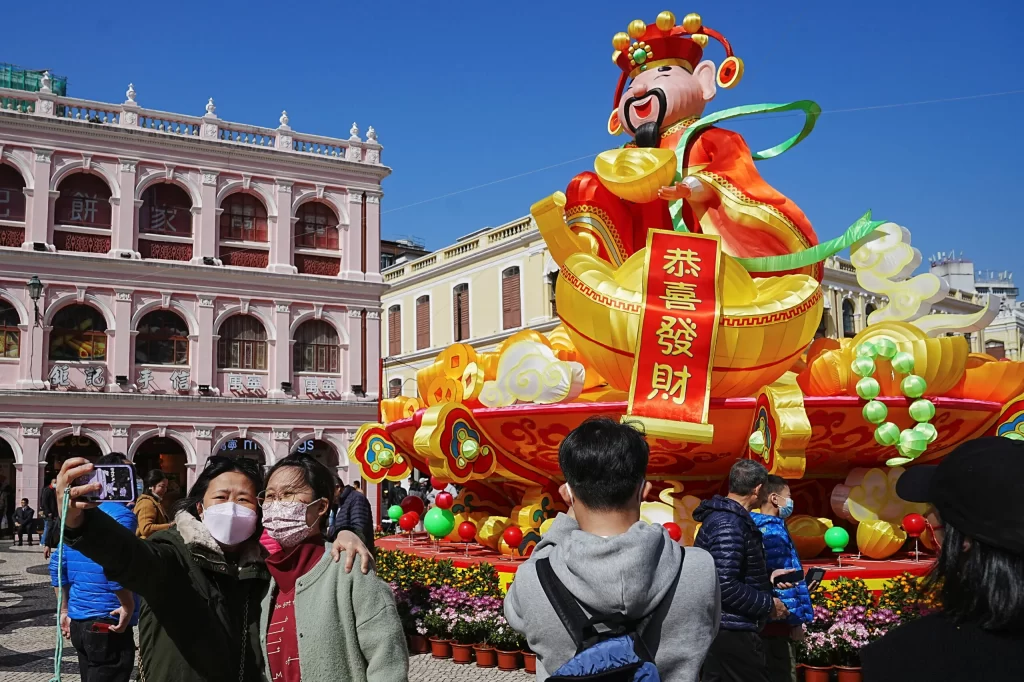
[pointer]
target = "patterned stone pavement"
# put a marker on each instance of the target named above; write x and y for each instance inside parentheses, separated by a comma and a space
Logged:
(27, 607)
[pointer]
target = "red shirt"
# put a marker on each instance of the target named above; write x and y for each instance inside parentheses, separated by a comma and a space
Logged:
(282, 642)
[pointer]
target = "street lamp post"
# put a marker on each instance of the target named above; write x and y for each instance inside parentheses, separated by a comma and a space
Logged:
(35, 292)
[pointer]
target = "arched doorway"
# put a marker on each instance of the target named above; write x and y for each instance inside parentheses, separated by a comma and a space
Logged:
(66, 448)
(243, 447)
(320, 450)
(167, 455)
(7, 471)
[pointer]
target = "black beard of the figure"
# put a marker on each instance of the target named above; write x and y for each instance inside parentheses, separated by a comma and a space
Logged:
(649, 134)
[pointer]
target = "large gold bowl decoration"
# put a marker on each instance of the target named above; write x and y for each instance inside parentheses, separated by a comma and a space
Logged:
(636, 174)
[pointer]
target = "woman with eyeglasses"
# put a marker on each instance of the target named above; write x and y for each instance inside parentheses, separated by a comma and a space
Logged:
(317, 621)
(203, 581)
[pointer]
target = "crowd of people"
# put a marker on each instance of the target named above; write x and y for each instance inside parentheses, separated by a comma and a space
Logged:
(243, 579)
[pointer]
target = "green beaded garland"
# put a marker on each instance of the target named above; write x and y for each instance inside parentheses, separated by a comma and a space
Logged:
(863, 367)
(868, 388)
(887, 434)
(903, 362)
(867, 350)
(875, 412)
(912, 443)
(897, 461)
(927, 430)
(886, 347)
(922, 410)
(913, 386)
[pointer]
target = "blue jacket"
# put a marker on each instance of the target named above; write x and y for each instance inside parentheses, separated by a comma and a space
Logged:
(779, 552)
(729, 534)
(92, 595)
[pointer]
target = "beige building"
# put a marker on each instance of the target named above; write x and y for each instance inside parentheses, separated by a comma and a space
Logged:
(494, 282)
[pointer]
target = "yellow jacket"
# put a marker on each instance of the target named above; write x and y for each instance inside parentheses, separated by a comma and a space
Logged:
(151, 516)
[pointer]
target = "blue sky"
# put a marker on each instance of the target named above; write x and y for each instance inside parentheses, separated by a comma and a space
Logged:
(465, 93)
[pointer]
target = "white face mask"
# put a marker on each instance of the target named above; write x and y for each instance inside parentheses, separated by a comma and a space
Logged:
(286, 522)
(230, 524)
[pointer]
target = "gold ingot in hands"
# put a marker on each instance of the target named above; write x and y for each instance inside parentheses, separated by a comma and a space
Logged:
(636, 174)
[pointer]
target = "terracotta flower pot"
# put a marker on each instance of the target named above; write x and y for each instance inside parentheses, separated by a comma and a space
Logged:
(849, 674)
(486, 657)
(530, 662)
(816, 674)
(440, 648)
(462, 653)
(418, 644)
(508, 660)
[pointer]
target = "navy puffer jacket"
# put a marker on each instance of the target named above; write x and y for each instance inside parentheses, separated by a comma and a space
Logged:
(730, 535)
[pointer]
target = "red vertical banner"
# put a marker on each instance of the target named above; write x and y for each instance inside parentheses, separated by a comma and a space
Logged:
(675, 350)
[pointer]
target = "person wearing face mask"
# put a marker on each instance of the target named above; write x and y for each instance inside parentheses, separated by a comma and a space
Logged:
(780, 636)
(318, 622)
(617, 567)
(203, 581)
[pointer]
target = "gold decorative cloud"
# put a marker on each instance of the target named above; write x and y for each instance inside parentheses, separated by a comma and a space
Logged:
(530, 372)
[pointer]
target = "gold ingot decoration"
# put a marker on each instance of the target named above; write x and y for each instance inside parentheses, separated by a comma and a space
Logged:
(879, 539)
(988, 379)
(636, 29)
(620, 41)
(692, 22)
(665, 21)
(636, 174)
(808, 534)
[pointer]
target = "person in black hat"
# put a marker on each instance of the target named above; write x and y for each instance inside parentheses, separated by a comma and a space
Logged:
(979, 522)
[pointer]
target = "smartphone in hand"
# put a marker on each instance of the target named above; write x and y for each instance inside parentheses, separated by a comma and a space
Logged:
(117, 483)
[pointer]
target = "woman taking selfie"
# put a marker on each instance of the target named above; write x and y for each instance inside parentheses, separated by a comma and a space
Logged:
(319, 622)
(203, 580)
(149, 508)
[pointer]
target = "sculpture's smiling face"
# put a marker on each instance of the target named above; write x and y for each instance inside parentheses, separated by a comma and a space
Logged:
(664, 95)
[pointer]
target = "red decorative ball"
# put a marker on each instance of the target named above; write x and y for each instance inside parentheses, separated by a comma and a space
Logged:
(512, 536)
(674, 531)
(914, 524)
(444, 500)
(467, 531)
(437, 483)
(411, 503)
(408, 521)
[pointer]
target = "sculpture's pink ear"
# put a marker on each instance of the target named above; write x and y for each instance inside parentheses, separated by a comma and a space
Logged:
(705, 75)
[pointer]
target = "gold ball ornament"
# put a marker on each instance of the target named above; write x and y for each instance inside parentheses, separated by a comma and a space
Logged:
(730, 72)
(620, 41)
(665, 21)
(615, 56)
(692, 22)
(701, 39)
(636, 29)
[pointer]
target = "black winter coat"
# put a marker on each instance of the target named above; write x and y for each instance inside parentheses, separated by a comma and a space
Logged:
(730, 535)
(353, 514)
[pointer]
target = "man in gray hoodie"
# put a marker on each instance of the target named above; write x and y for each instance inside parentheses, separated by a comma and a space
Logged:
(615, 564)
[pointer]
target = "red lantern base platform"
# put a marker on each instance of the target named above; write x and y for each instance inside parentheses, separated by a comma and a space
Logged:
(875, 573)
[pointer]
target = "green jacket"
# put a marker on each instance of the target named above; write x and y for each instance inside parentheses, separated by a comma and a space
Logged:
(201, 611)
(346, 624)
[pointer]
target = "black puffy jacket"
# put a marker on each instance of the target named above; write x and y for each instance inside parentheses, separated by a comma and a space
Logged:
(730, 535)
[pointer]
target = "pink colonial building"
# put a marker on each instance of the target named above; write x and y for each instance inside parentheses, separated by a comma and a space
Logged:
(206, 287)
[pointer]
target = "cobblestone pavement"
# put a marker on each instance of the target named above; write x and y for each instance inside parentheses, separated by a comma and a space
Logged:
(27, 623)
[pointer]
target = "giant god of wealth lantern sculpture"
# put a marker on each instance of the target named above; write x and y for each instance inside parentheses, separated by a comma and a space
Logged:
(690, 295)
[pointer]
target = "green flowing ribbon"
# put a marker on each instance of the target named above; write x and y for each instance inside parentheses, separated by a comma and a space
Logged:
(811, 111)
(802, 259)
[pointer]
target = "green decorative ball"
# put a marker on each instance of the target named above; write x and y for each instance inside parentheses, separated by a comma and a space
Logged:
(756, 442)
(886, 348)
(875, 412)
(868, 388)
(903, 362)
(439, 522)
(837, 538)
(913, 386)
(897, 461)
(867, 350)
(928, 431)
(887, 434)
(1013, 435)
(385, 459)
(912, 443)
(863, 367)
(640, 56)
(395, 512)
(469, 448)
(922, 410)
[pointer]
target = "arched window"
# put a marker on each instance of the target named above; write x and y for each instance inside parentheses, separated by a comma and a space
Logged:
(10, 333)
(317, 348)
(422, 322)
(394, 388)
(867, 312)
(244, 218)
(316, 227)
(511, 314)
(394, 330)
(460, 311)
(166, 209)
(84, 201)
(242, 344)
(552, 290)
(849, 324)
(79, 333)
(822, 330)
(162, 339)
(12, 196)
